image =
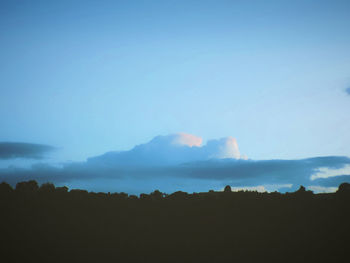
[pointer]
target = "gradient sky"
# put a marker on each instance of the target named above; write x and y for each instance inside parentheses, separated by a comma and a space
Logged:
(88, 77)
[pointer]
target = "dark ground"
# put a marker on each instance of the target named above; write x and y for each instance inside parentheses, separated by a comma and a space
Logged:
(49, 224)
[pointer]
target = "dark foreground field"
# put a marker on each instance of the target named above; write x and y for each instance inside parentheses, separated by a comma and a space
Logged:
(49, 224)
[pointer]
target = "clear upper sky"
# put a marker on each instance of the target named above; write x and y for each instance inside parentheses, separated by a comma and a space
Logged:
(93, 76)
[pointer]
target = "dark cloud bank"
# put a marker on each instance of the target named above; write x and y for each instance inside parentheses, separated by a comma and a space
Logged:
(168, 166)
(11, 150)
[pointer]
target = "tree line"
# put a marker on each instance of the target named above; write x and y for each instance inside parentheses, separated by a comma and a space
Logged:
(54, 224)
(32, 187)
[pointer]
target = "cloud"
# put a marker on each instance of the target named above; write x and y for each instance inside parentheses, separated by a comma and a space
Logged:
(196, 176)
(322, 189)
(187, 139)
(11, 150)
(175, 162)
(325, 172)
(171, 150)
(224, 148)
(347, 91)
(271, 171)
(331, 181)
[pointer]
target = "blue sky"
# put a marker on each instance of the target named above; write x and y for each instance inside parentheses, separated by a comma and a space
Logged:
(88, 77)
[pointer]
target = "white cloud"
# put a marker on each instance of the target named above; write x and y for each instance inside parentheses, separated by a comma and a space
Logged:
(220, 149)
(225, 148)
(187, 139)
(276, 187)
(325, 172)
(231, 149)
(322, 189)
(244, 157)
(173, 149)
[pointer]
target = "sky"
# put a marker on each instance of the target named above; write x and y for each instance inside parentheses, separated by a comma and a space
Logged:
(90, 77)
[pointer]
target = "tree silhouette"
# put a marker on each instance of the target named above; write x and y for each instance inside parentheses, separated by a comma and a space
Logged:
(344, 188)
(62, 189)
(27, 187)
(5, 189)
(54, 225)
(156, 195)
(227, 189)
(47, 188)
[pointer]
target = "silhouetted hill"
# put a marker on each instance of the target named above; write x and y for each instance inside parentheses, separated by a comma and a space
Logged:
(51, 224)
